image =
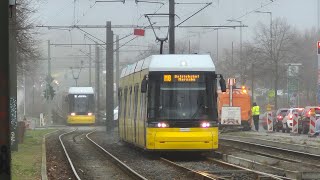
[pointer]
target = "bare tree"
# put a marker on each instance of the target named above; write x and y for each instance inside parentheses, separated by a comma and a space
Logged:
(275, 45)
(27, 44)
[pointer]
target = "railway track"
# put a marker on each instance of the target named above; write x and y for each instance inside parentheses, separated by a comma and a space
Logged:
(282, 161)
(210, 169)
(88, 160)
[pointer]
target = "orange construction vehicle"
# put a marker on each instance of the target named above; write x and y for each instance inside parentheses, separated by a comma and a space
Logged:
(240, 98)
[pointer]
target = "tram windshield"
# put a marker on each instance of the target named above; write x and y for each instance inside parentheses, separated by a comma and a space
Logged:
(81, 104)
(182, 97)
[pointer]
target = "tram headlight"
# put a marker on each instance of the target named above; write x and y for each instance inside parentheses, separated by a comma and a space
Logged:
(162, 125)
(89, 114)
(205, 124)
(73, 114)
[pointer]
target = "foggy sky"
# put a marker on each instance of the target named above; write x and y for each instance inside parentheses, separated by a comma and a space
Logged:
(301, 14)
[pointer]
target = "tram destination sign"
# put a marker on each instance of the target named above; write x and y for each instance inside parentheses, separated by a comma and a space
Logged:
(181, 77)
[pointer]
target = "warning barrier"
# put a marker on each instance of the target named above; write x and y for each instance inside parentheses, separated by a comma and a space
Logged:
(295, 124)
(313, 119)
(270, 122)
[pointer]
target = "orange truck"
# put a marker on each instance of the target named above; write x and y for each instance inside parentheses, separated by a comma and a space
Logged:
(241, 99)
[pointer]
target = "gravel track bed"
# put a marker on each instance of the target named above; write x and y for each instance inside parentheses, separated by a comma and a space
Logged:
(146, 165)
(57, 165)
(89, 162)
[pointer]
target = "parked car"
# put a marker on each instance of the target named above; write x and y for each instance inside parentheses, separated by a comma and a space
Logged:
(263, 119)
(304, 124)
(277, 122)
(288, 119)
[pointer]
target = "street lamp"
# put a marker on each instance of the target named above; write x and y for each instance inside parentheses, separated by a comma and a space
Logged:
(217, 29)
(271, 51)
(232, 20)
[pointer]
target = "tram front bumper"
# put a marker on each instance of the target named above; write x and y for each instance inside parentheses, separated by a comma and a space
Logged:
(175, 139)
(81, 119)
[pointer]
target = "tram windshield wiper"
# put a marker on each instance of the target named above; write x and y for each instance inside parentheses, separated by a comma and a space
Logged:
(198, 110)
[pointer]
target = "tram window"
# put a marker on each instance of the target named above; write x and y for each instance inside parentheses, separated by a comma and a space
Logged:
(120, 102)
(142, 107)
(136, 88)
(125, 103)
(130, 97)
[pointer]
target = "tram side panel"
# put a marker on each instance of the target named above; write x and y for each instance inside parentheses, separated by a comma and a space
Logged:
(122, 119)
(141, 111)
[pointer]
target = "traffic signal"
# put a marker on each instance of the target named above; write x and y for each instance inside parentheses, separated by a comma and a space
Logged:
(52, 92)
(318, 47)
(49, 92)
(46, 94)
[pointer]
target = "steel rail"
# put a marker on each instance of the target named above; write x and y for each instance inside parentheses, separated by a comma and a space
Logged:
(270, 147)
(66, 153)
(275, 156)
(246, 169)
(203, 175)
(118, 162)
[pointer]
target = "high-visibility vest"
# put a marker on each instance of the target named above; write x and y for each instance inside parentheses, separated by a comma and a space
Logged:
(255, 110)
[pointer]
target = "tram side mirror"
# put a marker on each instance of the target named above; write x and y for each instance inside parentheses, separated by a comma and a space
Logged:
(222, 84)
(144, 85)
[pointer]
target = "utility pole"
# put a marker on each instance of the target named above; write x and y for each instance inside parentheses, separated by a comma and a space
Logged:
(272, 59)
(13, 76)
(90, 61)
(24, 94)
(117, 69)
(232, 56)
(252, 81)
(49, 80)
(109, 78)
(97, 81)
(171, 27)
(5, 90)
(217, 45)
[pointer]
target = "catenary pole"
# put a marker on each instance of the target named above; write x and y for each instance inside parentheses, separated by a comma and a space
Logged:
(5, 89)
(109, 78)
(97, 81)
(13, 77)
(117, 68)
(49, 79)
(90, 64)
(171, 27)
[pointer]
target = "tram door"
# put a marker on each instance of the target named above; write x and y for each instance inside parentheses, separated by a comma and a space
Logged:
(125, 113)
(136, 88)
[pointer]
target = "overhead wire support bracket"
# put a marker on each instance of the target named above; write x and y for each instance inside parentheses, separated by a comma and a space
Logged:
(151, 2)
(208, 4)
(193, 3)
(111, 1)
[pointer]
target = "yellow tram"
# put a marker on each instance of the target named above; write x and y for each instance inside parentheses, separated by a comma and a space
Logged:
(169, 103)
(81, 105)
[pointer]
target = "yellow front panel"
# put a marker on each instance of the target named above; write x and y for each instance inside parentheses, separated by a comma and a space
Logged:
(81, 119)
(180, 139)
